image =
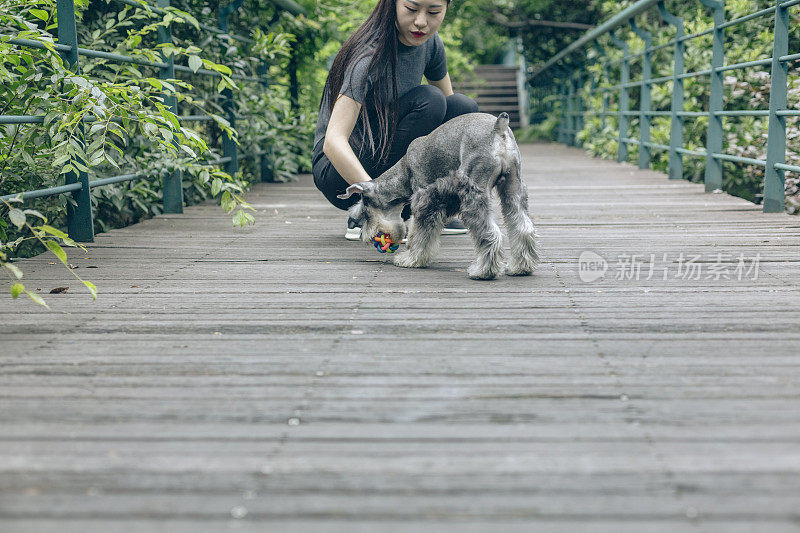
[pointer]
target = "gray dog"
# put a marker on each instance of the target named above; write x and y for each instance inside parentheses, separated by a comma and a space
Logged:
(449, 172)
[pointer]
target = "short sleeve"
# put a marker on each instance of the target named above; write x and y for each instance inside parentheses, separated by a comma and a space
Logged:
(436, 69)
(355, 82)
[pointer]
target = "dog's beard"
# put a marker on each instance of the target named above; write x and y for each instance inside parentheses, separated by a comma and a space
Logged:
(376, 224)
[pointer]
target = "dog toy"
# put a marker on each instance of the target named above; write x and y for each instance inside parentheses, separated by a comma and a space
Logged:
(384, 244)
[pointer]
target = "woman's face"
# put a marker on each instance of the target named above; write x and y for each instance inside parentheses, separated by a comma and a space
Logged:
(417, 20)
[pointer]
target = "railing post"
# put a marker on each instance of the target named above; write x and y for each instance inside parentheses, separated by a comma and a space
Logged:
(172, 187)
(604, 120)
(774, 185)
(676, 120)
(562, 125)
(522, 87)
(228, 104)
(595, 86)
(265, 167)
(79, 219)
(644, 96)
(625, 75)
(713, 176)
(592, 84)
(571, 109)
(294, 86)
(579, 85)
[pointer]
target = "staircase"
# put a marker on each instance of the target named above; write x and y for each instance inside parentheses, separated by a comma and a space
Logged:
(495, 88)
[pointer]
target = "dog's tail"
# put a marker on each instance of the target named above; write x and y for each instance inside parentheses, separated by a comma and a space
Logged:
(502, 123)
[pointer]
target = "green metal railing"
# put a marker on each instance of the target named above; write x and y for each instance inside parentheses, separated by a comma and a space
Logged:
(79, 217)
(568, 96)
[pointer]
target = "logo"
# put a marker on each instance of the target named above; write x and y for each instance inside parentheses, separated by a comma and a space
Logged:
(591, 266)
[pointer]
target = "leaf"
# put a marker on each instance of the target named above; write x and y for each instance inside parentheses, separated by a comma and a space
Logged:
(242, 219)
(59, 290)
(36, 298)
(238, 218)
(17, 217)
(195, 63)
(57, 251)
(224, 69)
(27, 158)
(92, 289)
(57, 233)
(16, 290)
(13, 268)
(226, 202)
(35, 213)
(216, 186)
(188, 151)
(40, 14)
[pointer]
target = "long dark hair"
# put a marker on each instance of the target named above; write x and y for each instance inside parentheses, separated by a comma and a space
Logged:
(377, 36)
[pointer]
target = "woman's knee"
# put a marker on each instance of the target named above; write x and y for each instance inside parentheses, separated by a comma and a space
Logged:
(460, 104)
(428, 101)
(331, 184)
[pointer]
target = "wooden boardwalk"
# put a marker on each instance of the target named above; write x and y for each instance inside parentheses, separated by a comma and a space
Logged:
(279, 378)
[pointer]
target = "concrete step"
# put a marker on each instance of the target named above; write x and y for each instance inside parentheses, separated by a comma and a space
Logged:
(502, 100)
(489, 83)
(495, 90)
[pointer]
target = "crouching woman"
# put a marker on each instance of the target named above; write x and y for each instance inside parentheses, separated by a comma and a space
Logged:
(380, 105)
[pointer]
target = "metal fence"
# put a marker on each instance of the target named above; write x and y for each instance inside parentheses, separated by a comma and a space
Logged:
(79, 217)
(569, 95)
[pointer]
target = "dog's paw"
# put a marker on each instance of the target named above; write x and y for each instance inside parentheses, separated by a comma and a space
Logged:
(480, 272)
(519, 270)
(406, 259)
(523, 266)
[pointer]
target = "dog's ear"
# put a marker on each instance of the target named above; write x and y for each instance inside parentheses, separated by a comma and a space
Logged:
(356, 188)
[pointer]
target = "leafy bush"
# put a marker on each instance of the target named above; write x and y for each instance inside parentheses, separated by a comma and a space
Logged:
(113, 118)
(746, 89)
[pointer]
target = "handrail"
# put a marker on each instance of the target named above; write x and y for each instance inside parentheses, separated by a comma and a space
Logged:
(611, 24)
(80, 219)
(568, 99)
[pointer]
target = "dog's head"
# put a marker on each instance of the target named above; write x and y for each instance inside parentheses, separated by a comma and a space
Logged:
(378, 214)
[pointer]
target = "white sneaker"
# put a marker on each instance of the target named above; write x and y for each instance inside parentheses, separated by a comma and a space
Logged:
(353, 232)
(454, 227)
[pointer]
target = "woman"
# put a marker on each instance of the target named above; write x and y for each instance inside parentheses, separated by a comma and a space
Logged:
(380, 105)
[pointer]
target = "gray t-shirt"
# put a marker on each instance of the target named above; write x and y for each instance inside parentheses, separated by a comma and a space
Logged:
(412, 62)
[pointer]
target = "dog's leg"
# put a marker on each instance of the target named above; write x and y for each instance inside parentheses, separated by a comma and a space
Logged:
(476, 213)
(521, 233)
(426, 227)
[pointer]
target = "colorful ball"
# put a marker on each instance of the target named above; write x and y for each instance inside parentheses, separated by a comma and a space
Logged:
(384, 243)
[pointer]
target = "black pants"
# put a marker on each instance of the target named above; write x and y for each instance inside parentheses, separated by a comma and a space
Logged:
(421, 110)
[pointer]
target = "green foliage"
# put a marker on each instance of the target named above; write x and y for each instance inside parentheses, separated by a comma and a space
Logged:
(746, 89)
(542, 131)
(114, 118)
(47, 236)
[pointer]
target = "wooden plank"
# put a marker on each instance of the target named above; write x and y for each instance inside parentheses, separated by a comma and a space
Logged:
(283, 371)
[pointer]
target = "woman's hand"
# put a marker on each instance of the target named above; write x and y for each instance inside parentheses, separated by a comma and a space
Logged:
(337, 145)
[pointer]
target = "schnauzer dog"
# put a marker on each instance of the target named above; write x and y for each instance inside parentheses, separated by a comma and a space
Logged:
(450, 172)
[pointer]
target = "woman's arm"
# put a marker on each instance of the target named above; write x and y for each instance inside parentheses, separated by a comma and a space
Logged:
(443, 84)
(337, 146)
